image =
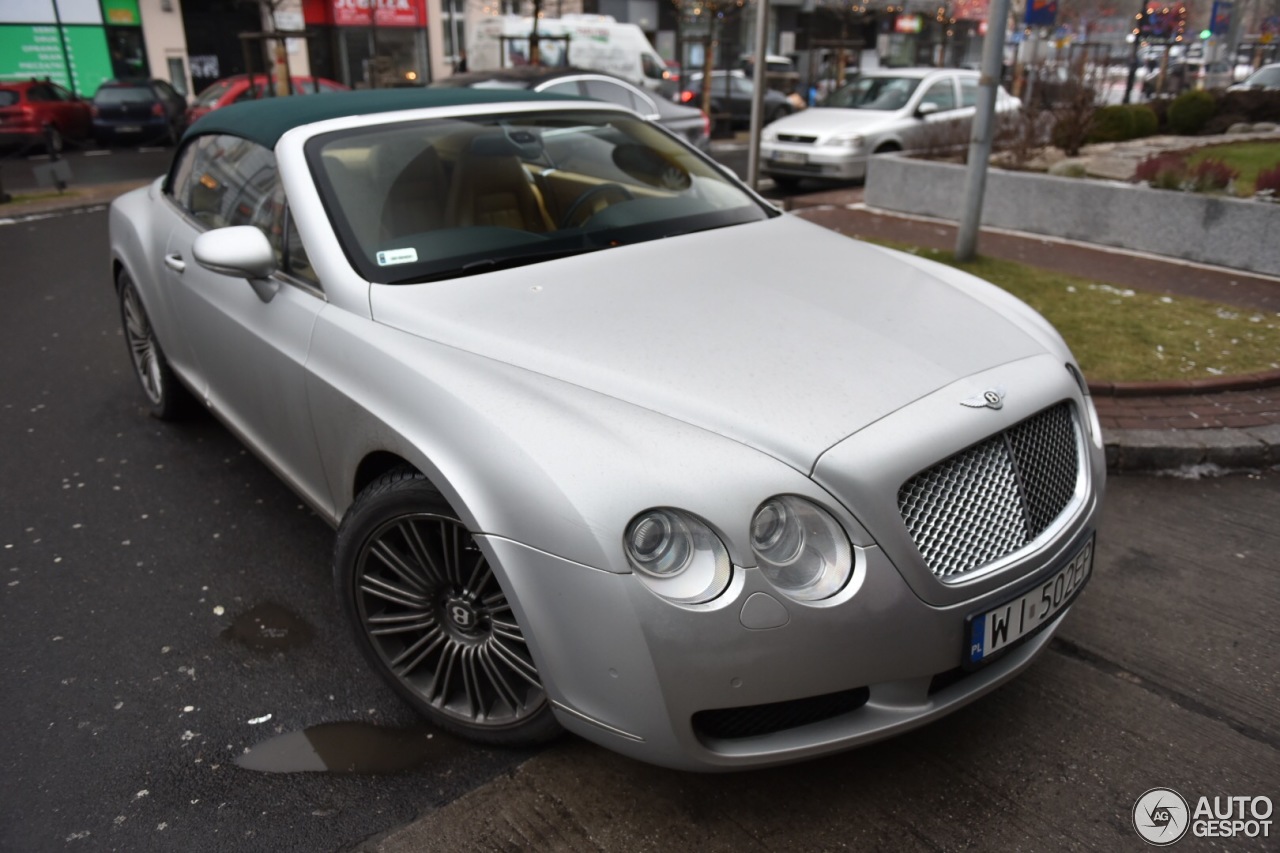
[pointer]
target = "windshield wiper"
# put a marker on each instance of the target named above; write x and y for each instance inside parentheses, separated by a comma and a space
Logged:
(494, 264)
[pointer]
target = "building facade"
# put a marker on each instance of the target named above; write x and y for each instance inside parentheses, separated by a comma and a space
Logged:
(79, 44)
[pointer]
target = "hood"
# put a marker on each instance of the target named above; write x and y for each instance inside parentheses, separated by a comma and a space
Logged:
(823, 121)
(780, 334)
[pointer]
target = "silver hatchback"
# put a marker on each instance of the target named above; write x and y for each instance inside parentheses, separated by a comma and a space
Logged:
(902, 109)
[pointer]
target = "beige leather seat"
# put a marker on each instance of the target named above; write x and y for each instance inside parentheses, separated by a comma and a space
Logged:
(491, 187)
(416, 198)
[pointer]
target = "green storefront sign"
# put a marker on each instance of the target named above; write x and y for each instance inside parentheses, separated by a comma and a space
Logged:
(74, 56)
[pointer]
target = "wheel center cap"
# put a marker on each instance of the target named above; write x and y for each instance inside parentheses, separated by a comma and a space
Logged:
(462, 615)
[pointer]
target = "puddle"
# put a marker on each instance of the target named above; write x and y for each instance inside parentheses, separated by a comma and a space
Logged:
(269, 627)
(350, 748)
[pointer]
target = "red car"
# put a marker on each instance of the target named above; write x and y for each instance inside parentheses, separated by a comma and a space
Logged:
(33, 108)
(240, 88)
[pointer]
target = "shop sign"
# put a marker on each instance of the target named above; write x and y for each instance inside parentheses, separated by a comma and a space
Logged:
(1041, 13)
(381, 13)
(970, 10)
(907, 24)
(122, 12)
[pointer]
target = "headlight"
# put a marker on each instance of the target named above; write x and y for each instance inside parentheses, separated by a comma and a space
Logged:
(768, 135)
(852, 141)
(677, 555)
(801, 549)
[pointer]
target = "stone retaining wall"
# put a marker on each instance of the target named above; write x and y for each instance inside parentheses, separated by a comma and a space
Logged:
(1243, 235)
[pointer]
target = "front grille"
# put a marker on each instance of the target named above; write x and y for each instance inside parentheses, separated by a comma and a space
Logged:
(988, 501)
(751, 720)
(791, 137)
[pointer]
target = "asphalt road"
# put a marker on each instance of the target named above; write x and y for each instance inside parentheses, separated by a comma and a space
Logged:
(1165, 674)
(135, 559)
(167, 606)
(90, 165)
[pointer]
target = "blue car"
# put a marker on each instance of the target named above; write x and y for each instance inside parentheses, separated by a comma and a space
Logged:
(146, 111)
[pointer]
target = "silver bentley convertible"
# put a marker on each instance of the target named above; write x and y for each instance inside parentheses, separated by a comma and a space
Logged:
(612, 445)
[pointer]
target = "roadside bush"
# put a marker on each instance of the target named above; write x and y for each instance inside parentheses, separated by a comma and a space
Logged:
(1145, 121)
(1119, 122)
(1190, 111)
(1113, 123)
(1222, 122)
(1211, 175)
(1165, 171)
(1268, 184)
(1250, 106)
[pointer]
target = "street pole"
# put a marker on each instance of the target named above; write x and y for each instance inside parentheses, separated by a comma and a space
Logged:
(757, 97)
(983, 129)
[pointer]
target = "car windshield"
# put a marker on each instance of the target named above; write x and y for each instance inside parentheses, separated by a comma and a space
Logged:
(442, 198)
(123, 95)
(1265, 77)
(874, 93)
(211, 95)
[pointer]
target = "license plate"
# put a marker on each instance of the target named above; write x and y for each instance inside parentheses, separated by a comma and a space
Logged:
(1003, 626)
(790, 157)
(128, 128)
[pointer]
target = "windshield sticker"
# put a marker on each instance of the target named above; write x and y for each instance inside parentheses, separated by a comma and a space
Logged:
(397, 256)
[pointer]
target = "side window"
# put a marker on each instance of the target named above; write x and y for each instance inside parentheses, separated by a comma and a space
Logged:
(651, 67)
(604, 90)
(942, 93)
(58, 93)
(968, 91)
(743, 86)
(231, 181)
(40, 94)
(566, 88)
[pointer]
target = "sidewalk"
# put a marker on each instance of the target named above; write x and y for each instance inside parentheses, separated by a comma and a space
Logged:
(1229, 422)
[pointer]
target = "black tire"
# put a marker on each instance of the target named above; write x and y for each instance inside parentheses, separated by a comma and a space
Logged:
(786, 183)
(431, 618)
(167, 398)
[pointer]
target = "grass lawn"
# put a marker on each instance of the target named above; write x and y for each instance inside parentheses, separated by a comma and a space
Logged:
(1247, 158)
(1120, 334)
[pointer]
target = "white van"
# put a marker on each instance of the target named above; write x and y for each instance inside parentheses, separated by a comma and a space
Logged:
(597, 42)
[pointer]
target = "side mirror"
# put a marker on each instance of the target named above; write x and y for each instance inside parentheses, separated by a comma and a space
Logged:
(241, 251)
(926, 109)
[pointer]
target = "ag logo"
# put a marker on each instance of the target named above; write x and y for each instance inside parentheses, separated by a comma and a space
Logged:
(1161, 816)
(992, 398)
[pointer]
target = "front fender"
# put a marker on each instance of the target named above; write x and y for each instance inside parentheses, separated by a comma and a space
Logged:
(525, 457)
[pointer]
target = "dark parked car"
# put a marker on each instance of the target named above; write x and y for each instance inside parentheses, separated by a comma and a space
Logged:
(41, 114)
(731, 95)
(687, 122)
(142, 110)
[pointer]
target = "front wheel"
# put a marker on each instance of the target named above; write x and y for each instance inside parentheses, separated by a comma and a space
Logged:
(430, 616)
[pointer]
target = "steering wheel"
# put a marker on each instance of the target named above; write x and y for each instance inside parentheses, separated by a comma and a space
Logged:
(583, 203)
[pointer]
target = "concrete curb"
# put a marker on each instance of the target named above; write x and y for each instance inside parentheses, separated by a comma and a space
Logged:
(1170, 450)
(92, 195)
(1169, 388)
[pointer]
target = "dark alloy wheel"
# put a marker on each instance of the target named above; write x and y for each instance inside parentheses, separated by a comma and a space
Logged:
(431, 616)
(166, 396)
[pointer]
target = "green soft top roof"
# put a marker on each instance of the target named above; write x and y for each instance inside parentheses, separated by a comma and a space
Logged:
(265, 121)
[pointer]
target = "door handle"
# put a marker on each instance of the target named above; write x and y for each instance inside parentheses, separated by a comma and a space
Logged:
(175, 262)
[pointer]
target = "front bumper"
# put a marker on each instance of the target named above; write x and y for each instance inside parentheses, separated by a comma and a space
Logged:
(630, 671)
(813, 161)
